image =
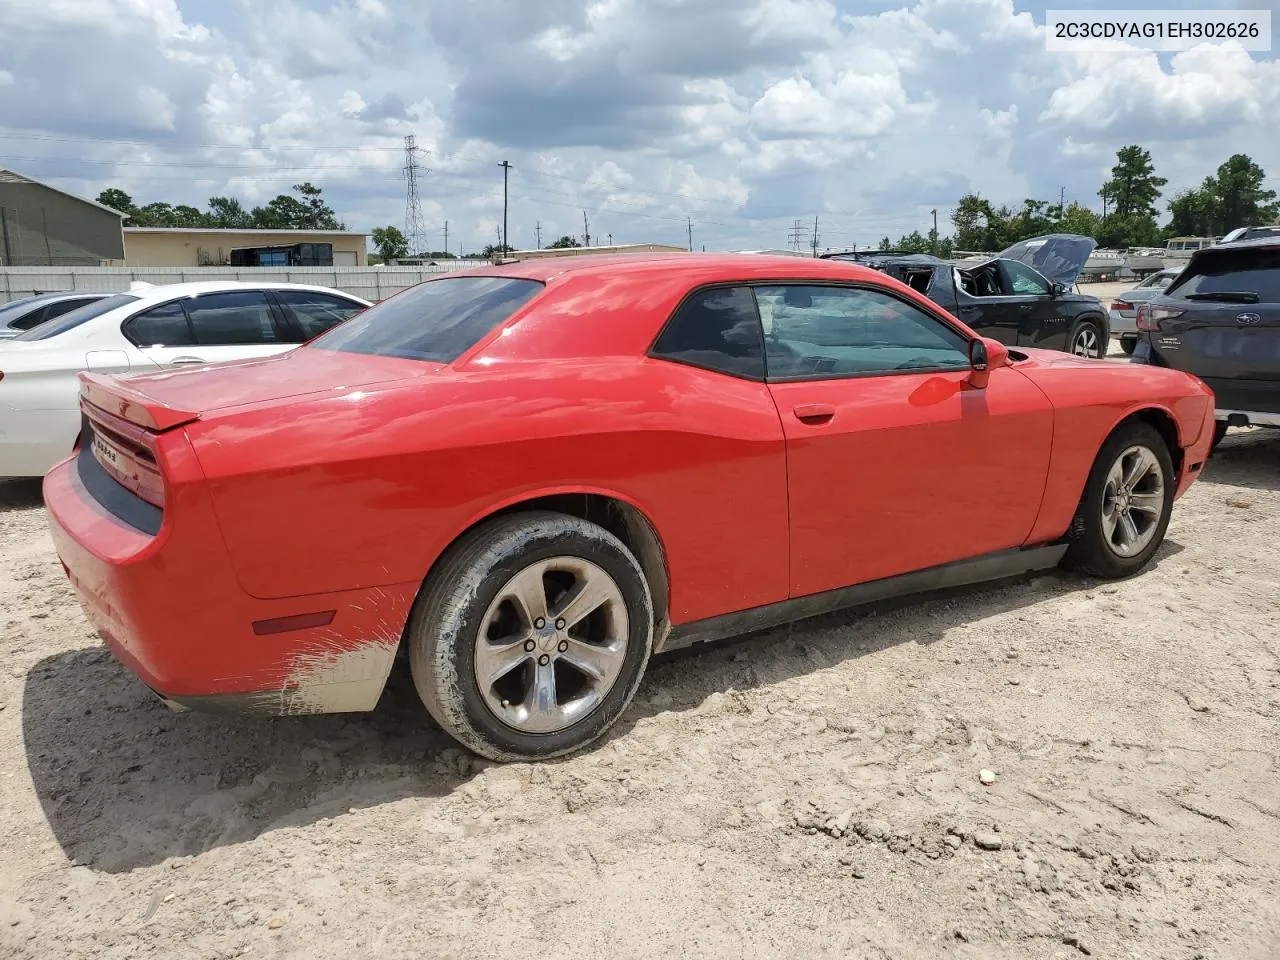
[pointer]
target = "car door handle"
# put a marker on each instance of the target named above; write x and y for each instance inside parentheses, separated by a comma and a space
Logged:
(186, 361)
(1025, 308)
(814, 412)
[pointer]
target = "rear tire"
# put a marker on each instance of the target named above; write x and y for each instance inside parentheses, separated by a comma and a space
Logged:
(502, 654)
(1124, 513)
(1088, 339)
(1128, 345)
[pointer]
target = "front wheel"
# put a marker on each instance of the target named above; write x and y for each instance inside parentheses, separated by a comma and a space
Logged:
(531, 636)
(1124, 513)
(1088, 340)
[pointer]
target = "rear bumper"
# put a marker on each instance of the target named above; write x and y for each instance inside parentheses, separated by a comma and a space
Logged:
(1258, 401)
(170, 609)
(1122, 325)
(1247, 418)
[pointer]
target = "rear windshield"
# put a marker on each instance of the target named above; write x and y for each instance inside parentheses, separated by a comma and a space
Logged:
(69, 321)
(1237, 271)
(438, 320)
(16, 308)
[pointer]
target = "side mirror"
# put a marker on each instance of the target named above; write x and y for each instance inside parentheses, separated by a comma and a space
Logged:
(985, 355)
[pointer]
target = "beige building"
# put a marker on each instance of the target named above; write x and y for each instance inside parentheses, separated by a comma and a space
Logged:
(42, 226)
(200, 247)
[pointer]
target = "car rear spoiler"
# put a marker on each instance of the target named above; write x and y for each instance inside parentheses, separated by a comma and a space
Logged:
(118, 398)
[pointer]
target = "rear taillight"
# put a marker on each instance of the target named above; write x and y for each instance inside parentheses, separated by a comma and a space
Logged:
(127, 452)
(1149, 317)
(1121, 305)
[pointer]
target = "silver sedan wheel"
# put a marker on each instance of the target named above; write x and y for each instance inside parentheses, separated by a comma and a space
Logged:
(1086, 343)
(551, 644)
(1132, 501)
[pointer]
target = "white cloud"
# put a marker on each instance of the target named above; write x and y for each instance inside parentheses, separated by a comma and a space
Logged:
(740, 115)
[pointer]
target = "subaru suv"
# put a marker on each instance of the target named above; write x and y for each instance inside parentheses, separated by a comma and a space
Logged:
(1220, 320)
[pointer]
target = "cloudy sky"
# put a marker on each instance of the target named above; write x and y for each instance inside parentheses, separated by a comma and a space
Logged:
(743, 115)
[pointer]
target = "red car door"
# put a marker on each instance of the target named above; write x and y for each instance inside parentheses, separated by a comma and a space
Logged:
(894, 461)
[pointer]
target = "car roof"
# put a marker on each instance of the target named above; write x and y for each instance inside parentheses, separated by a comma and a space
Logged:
(699, 267)
(170, 291)
(1250, 244)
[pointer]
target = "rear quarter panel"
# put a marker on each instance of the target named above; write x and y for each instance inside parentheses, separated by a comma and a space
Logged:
(1090, 398)
(370, 487)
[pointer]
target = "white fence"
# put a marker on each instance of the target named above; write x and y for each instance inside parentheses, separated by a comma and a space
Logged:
(371, 283)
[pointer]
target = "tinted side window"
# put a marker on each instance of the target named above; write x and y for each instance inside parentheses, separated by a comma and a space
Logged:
(162, 326)
(35, 317)
(815, 331)
(233, 318)
(1244, 271)
(66, 306)
(718, 329)
(317, 312)
(1024, 280)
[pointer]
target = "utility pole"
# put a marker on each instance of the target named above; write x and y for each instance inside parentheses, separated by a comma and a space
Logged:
(537, 232)
(446, 236)
(586, 230)
(689, 222)
(1062, 199)
(611, 239)
(506, 169)
(933, 238)
(815, 236)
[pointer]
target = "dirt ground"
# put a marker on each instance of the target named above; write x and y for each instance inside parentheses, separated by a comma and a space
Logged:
(811, 792)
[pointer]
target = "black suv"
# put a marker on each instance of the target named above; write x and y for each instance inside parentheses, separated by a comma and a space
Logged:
(1021, 297)
(1220, 319)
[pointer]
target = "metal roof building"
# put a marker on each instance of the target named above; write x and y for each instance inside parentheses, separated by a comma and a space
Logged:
(42, 226)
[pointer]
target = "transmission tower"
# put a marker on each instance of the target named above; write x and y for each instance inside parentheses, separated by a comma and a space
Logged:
(415, 230)
(795, 235)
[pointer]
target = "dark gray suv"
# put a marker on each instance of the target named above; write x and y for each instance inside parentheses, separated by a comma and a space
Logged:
(1220, 320)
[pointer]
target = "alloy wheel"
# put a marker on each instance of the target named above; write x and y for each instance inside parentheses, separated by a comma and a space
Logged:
(1086, 343)
(551, 644)
(1133, 501)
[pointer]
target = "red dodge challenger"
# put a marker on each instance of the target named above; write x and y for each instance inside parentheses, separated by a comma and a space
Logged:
(533, 476)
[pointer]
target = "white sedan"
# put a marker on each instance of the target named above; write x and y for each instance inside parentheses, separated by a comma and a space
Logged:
(176, 325)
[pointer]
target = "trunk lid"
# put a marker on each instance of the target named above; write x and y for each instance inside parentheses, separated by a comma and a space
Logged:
(161, 401)
(1059, 257)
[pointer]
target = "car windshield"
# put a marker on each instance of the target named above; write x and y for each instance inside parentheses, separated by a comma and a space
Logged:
(69, 321)
(438, 320)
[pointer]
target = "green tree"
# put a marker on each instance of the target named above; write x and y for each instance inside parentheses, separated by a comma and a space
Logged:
(228, 213)
(318, 215)
(1134, 187)
(157, 214)
(1241, 200)
(494, 250)
(1077, 218)
(117, 199)
(188, 216)
(886, 244)
(563, 243)
(914, 242)
(980, 227)
(1193, 211)
(282, 213)
(390, 243)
